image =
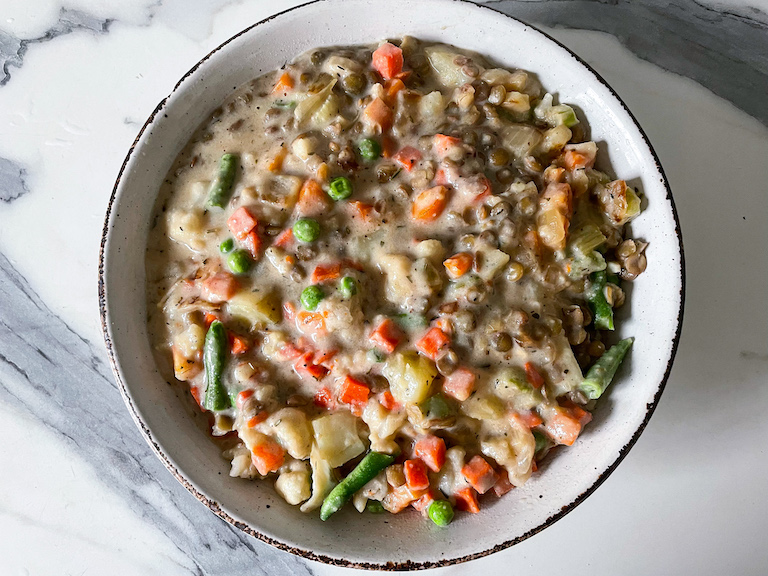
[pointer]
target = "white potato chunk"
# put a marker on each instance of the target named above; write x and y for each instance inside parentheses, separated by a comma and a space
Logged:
(336, 438)
(294, 486)
(291, 429)
(410, 376)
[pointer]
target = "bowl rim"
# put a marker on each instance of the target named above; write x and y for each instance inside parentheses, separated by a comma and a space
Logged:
(212, 504)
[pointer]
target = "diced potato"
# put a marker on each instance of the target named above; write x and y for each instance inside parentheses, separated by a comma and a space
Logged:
(242, 463)
(517, 102)
(552, 228)
(383, 425)
(431, 105)
(190, 342)
(272, 343)
(410, 377)
(450, 478)
(294, 486)
(483, 407)
(446, 70)
(256, 308)
(336, 438)
(431, 249)
(304, 146)
(187, 228)
(398, 285)
(516, 80)
(341, 66)
(184, 367)
(322, 480)
(291, 430)
(520, 139)
(555, 139)
(251, 437)
(282, 190)
(491, 263)
(514, 451)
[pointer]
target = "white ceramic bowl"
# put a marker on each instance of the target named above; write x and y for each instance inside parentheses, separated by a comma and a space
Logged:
(406, 541)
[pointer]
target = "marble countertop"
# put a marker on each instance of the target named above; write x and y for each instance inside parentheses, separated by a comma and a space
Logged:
(83, 493)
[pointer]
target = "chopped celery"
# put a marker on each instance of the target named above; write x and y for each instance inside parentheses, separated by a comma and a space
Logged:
(586, 239)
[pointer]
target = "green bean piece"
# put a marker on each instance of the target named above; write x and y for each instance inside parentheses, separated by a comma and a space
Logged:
(227, 246)
(340, 188)
(595, 295)
(542, 442)
(239, 262)
(214, 353)
(369, 467)
(374, 507)
(369, 149)
(221, 187)
(306, 229)
(440, 512)
(311, 296)
(348, 287)
(602, 372)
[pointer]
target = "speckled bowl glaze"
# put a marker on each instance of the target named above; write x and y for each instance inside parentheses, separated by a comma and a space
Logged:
(406, 541)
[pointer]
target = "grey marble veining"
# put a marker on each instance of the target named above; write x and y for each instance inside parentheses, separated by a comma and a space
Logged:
(13, 182)
(82, 405)
(13, 49)
(724, 50)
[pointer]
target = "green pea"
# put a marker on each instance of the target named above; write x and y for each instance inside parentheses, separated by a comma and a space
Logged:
(239, 262)
(440, 512)
(348, 287)
(227, 245)
(306, 229)
(340, 188)
(369, 149)
(311, 297)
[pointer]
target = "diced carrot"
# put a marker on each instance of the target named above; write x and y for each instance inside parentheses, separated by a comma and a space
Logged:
(388, 146)
(503, 485)
(430, 203)
(423, 503)
(563, 428)
(252, 243)
(241, 222)
(399, 498)
(534, 466)
(443, 144)
(238, 344)
(533, 376)
(353, 391)
(378, 115)
(460, 384)
(576, 411)
(276, 164)
(313, 200)
(441, 177)
(289, 352)
(242, 396)
(466, 500)
(458, 264)
(325, 357)
(391, 89)
(267, 457)
(209, 319)
(284, 239)
(325, 272)
(388, 401)
(197, 394)
(387, 60)
(284, 84)
(386, 336)
(533, 242)
(527, 419)
(220, 287)
(432, 342)
(310, 322)
(258, 419)
(407, 157)
(416, 474)
(324, 398)
(574, 160)
(431, 449)
(305, 366)
(479, 474)
(361, 210)
(289, 310)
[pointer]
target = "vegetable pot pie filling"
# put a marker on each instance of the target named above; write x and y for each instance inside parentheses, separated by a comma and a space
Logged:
(387, 272)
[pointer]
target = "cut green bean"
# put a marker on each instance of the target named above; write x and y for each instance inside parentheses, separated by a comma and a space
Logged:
(440, 512)
(214, 353)
(340, 188)
(595, 295)
(374, 507)
(602, 372)
(221, 188)
(369, 467)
